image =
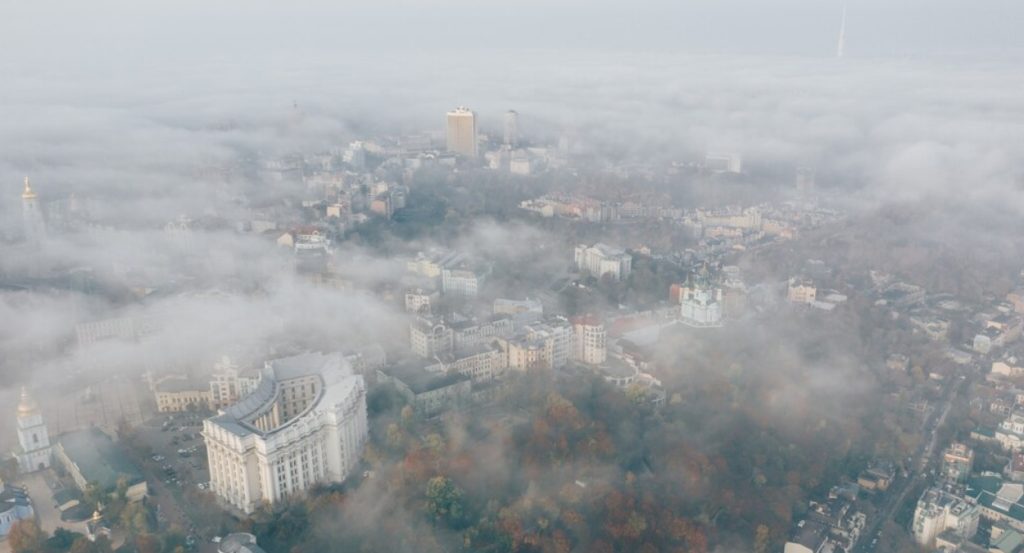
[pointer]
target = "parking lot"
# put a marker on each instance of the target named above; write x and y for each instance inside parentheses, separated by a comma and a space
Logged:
(177, 454)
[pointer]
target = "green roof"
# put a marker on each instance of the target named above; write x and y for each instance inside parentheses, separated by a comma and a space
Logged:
(985, 431)
(985, 489)
(98, 459)
(1008, 542)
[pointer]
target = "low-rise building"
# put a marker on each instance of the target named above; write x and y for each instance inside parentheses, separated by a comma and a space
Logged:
(419, 301)
(430, 337)
(1010, 433)
(429, 393)
(999, 501)
(239, 542)
(801, 290)
(15, 506)
(229, 383)
(939, 511)
(470, 333)
(590, 340)
(463, 281)
(546, 345)
(92, 458)
(601, 259)
(178, 393)
(481, 364)
(1014, 470)
(957, 461)
(877, 476)
(521, 311)
(834, 525)
(1009, 365)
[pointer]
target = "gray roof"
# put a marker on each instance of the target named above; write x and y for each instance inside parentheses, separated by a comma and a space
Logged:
(98, 458)
(239, 542)
(333, 370)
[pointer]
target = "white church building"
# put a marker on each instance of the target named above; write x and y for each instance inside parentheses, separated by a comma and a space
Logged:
(34, 451)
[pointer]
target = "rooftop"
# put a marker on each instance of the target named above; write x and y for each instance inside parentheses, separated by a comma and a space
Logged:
(98, 458)
(239, 542)
(181, 385)
(413, 374)
(333, 369)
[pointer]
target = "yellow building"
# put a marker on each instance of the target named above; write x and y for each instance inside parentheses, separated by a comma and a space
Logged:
(178, 393)
(802, 291)
(461, 135)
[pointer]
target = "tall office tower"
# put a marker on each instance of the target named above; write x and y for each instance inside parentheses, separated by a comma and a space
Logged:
(805, 180)
(462, 132)
(32, 218)
(511, 128)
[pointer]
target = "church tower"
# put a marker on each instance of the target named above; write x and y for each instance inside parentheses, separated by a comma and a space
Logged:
(32, 217)
(34, 451)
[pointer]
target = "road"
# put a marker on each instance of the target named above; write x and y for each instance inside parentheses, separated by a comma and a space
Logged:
(925, 454)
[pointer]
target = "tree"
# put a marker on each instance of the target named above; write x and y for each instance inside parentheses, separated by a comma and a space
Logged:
(136, 518)
(63, 539)
(93, 495)
(82, 545)
(444, 500)
(25, 536)
(762, 539)
(148, 543)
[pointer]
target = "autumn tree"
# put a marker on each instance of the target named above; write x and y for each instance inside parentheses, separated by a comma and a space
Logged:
(25, 536)
(444, 500)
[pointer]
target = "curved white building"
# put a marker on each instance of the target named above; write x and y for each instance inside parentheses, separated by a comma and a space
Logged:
(304, 423)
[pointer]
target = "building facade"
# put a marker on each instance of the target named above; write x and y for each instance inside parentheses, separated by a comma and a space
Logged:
(92, 459)
(15, 506)
(590, 340)
(429, 338)
(229, 384)
(462, 283)
(546, 345)
(801, 291)
(511, 128)
(481, 364)
(701, 306)
(34, 451)
(601, 259)
(938, 511)
(461, 132)
(304, 423)
(957, 461)
(177, 394)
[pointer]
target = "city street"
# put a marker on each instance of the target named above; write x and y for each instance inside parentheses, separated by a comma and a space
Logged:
(925, 454)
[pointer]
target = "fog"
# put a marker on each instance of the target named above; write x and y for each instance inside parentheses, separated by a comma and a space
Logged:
(147, 114)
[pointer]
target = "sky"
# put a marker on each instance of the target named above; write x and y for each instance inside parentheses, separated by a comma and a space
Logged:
(91, 33)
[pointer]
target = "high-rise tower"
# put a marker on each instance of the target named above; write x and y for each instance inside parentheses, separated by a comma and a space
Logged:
(511, 128)
(462, 132)
(34, 451)
(842, 34)
(32, 218)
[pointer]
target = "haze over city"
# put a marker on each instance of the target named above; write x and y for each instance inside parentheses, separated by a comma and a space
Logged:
(561, 276)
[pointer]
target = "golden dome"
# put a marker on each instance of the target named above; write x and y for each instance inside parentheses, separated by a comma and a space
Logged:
(27, 406)
(28, 193)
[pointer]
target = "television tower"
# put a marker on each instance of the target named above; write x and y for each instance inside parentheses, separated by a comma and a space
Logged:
(842, 33)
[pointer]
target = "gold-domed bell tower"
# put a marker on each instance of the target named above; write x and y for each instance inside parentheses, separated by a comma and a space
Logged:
(34, 451)
(32, 217)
